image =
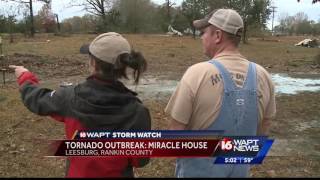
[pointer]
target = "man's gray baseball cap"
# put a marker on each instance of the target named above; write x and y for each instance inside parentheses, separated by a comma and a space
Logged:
(227, 20)
(107, 47)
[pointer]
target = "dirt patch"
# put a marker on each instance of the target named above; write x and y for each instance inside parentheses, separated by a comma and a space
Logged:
(48, 66)
(20, 151)
(293, 112)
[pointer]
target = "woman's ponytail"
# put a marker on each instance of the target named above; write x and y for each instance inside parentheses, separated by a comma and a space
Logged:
(137, 62)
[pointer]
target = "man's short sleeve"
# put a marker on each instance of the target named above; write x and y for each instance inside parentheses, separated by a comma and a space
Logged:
(270, 109)
(180, 103)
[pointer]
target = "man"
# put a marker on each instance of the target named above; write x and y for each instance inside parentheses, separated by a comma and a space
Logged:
(100, 103)
(228, 93)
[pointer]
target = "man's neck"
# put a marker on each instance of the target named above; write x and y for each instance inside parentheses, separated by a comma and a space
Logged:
(226, 50)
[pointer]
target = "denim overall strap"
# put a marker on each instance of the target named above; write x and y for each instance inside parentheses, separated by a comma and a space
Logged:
(251, 81)
(229, 84)
(238, 117)
(239, 110)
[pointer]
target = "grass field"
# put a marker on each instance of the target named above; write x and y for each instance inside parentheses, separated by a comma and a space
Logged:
(22, 133)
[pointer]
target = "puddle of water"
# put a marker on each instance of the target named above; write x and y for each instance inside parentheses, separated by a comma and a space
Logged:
(153, 84)
(284, 85)
(289, 85)
(150, 87)
(153, 88)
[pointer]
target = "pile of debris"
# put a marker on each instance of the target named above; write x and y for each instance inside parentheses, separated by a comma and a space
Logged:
(189, 31)
(173, 32)
(310, 43)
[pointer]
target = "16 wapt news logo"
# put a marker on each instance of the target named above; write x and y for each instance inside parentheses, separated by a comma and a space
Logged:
(242, 150)
(240, 145)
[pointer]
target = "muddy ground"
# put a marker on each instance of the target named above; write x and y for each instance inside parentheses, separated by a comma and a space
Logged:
(296, 128)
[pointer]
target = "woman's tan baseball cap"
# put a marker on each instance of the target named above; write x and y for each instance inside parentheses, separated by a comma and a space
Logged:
(107, 47)
(227, 20)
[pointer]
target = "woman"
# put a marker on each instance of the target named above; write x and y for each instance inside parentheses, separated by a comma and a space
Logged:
(100, 103)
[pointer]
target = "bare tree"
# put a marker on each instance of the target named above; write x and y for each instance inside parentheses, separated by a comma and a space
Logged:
(47, 17)
(11, 13)
(195, 9)
(99, 8)
(169, 4)
(29, 4)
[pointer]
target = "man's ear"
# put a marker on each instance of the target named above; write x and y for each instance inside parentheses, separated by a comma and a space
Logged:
(219, 36)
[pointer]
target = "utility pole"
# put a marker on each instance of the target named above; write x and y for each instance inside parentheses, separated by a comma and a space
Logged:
(1, 46)
(169, 4)
(2, 68)
(273, 11)
(31, 18)
(58, 23)
(168, 9)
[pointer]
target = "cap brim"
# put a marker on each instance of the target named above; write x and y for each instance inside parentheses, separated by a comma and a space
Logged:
(84, 49)
(201, 24)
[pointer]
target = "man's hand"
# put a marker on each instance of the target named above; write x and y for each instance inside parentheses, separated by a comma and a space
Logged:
(18, 70)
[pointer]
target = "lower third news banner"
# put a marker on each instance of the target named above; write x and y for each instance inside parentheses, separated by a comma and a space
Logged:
(180, 144)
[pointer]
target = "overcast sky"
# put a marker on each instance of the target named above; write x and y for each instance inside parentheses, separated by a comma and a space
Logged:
(283, 6)
(292, 7)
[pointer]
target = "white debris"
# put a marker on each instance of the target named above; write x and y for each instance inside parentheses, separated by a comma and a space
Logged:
(190, 32)
(173, 32)
(308, 43)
